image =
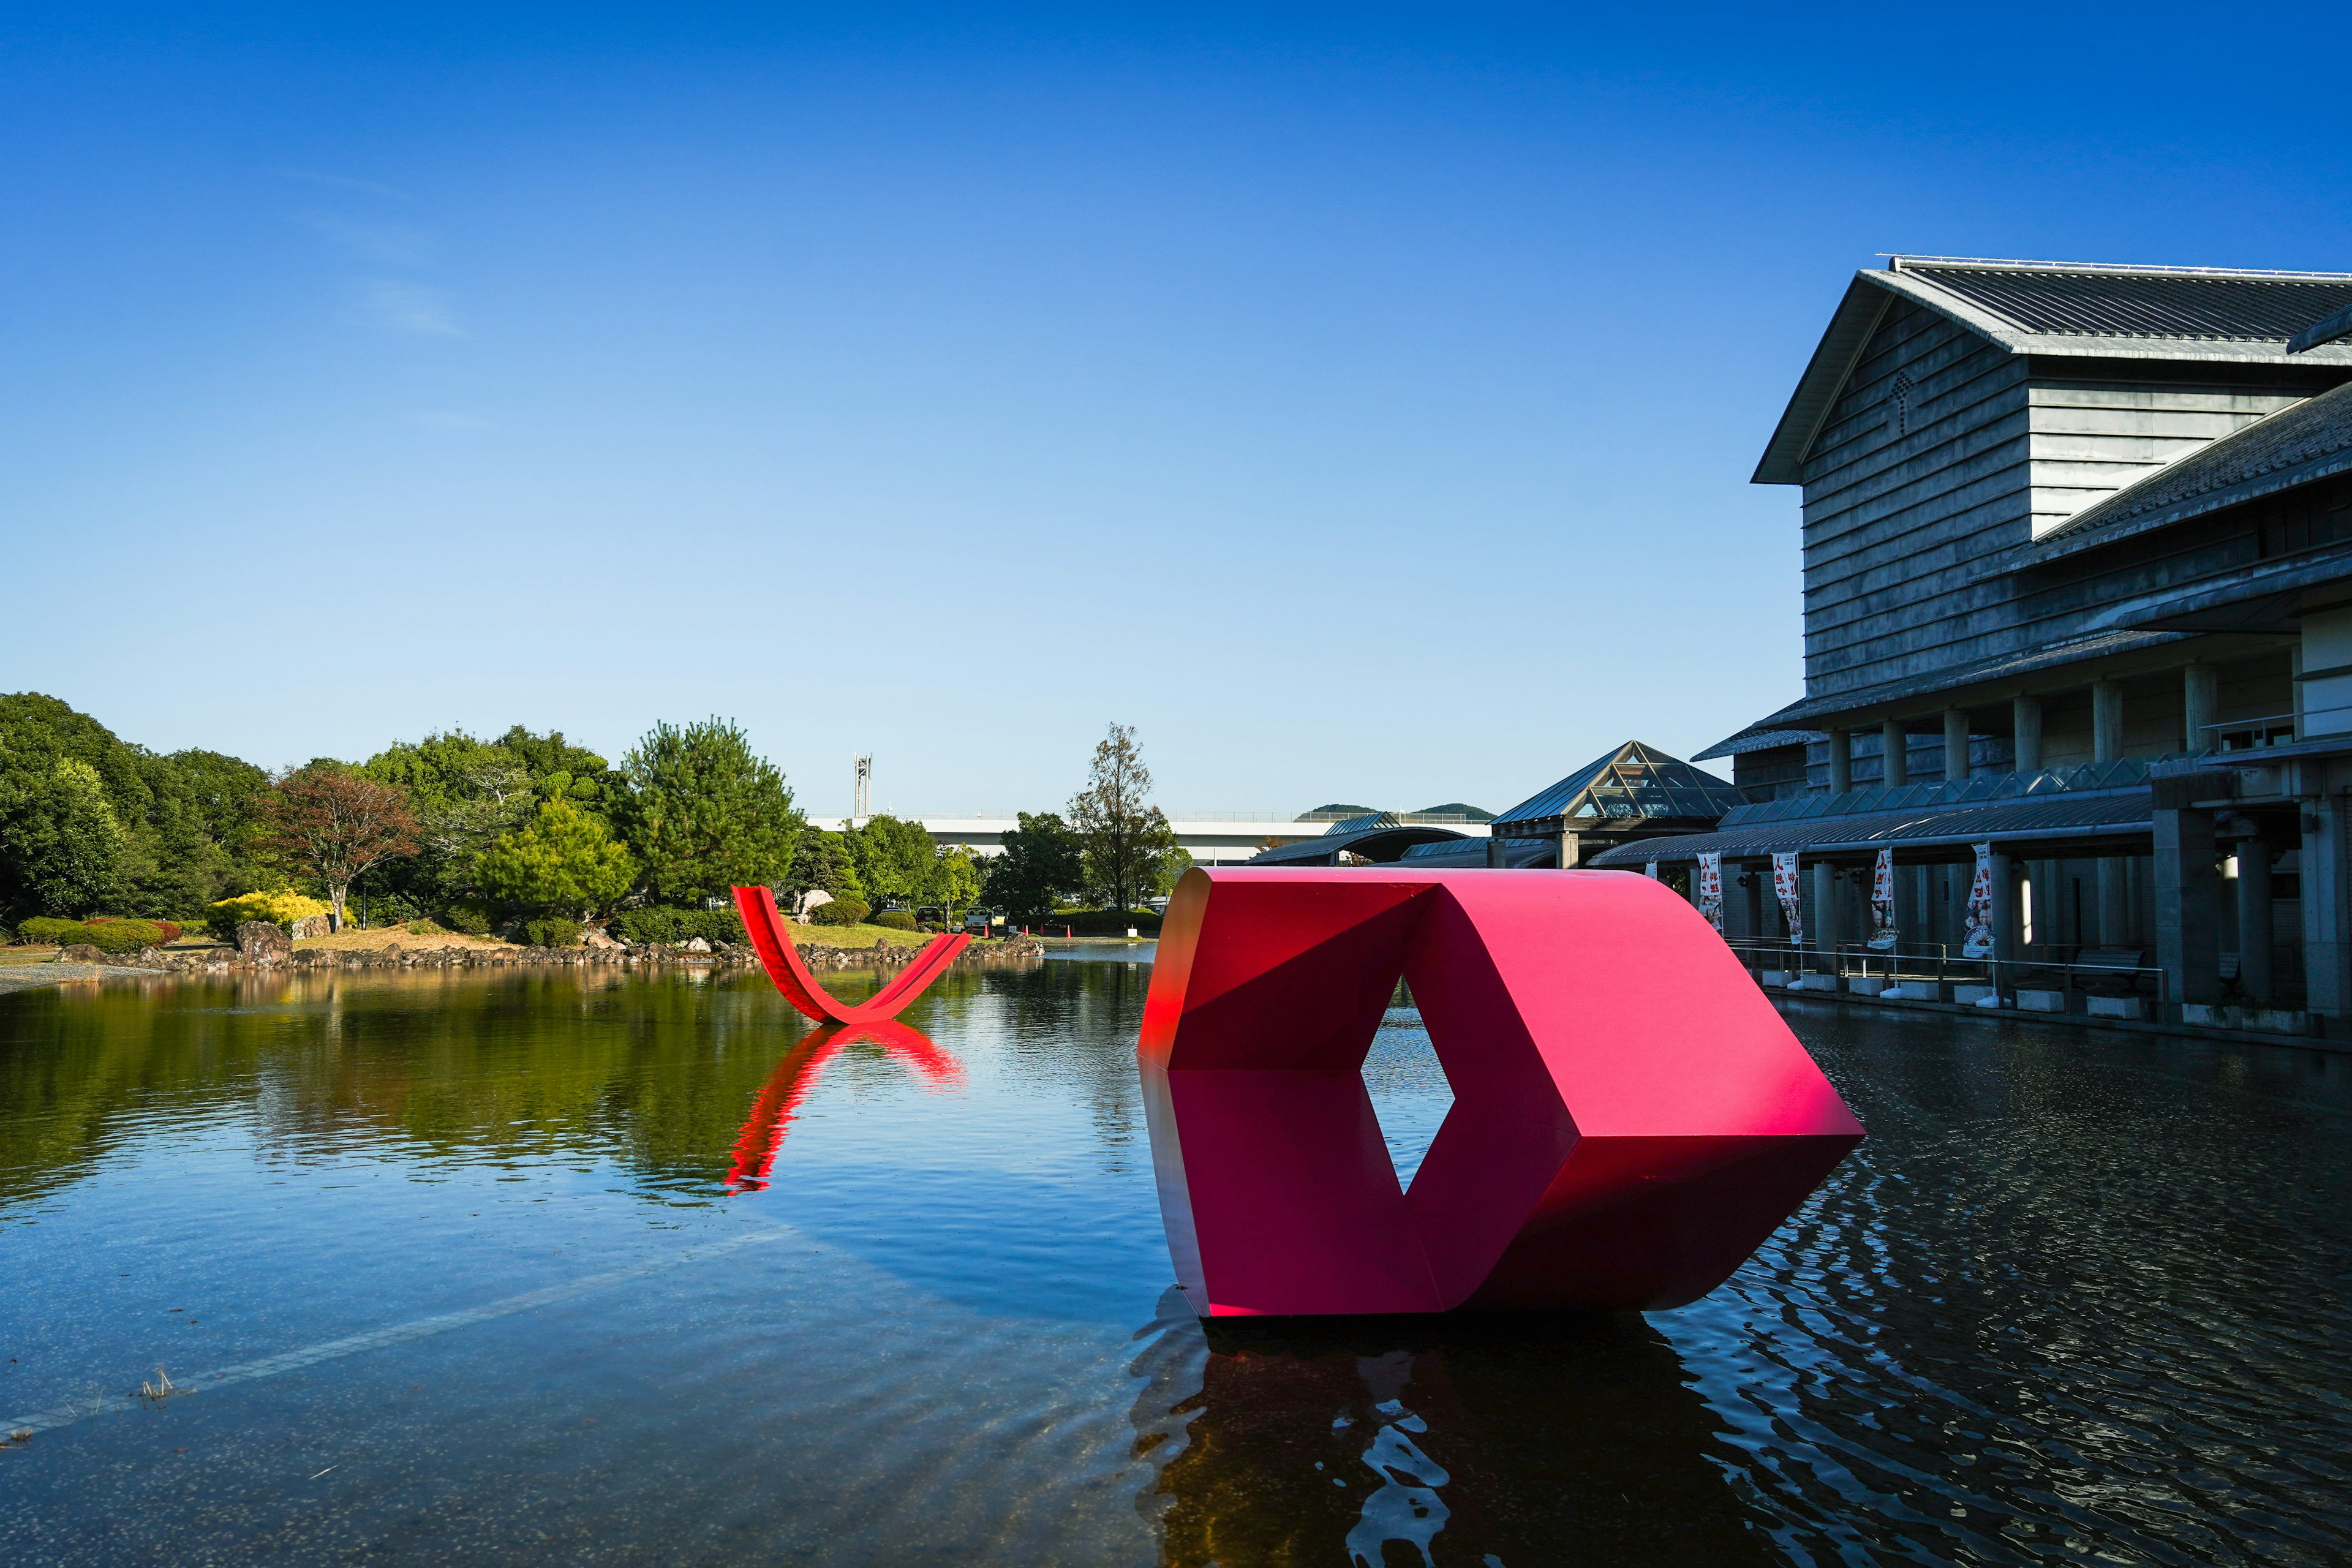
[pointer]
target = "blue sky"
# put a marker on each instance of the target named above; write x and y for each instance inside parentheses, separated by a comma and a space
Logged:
(1359, 403)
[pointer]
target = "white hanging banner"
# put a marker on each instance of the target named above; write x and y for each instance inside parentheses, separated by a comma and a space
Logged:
(1980, 938)
(1882, 904)
(1784, 888)
(1710, 888)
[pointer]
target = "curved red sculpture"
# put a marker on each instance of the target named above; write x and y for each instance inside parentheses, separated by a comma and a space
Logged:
(1631, 1116)
(782, 962)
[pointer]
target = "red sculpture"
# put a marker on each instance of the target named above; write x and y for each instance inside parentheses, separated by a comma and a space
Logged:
(782, 962)
(1631, 1116)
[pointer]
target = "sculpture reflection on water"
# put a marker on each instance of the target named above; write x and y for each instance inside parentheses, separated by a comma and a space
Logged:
(1520, 1440)
(780, 1098)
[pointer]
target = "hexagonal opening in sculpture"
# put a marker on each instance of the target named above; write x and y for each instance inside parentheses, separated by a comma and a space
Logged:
(1409, 1088)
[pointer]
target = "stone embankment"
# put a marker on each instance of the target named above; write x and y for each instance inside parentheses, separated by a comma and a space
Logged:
(264, 946)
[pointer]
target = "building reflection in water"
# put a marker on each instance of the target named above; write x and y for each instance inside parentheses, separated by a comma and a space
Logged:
(781, 1097)
(1518, 1441)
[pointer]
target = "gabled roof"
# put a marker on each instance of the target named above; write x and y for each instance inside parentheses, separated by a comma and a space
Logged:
(1382, 843)
(2063, 308)
(1632, 786)
(2299, 444)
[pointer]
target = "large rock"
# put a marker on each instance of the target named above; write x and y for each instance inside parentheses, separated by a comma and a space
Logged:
(314, 925)
(696, 944)
(263, 942)
(80, 953)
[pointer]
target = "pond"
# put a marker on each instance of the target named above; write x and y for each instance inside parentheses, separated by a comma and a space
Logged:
(561, 1267)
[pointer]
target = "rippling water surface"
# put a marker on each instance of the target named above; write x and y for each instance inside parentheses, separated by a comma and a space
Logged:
(569, 1269)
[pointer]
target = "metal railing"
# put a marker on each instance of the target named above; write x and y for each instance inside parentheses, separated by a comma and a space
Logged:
(1928, 971)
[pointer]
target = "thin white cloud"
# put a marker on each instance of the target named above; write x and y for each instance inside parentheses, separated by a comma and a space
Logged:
(377, 244)
(407, 308)
(344, 182)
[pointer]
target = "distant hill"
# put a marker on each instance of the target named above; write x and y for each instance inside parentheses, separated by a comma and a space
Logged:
(1456, 808)
(1343, 809)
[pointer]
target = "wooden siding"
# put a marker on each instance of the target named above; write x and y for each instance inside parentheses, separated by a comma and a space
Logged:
(1945, 456)
(2090, 440)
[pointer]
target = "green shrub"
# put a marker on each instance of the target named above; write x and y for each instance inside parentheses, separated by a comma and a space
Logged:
(471, 918)
(107, 934)
(551, 930)
(1100, 922)
(117, 937)
(167, 931)
(895, 920)
(840, 912)
(425, 928)
(657, 924)
(669, 923)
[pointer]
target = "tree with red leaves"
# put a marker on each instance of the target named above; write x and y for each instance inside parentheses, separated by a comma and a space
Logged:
(335, 824)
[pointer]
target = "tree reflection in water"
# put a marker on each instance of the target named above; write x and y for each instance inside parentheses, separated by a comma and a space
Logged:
(1520, 1441)
(780, 1098)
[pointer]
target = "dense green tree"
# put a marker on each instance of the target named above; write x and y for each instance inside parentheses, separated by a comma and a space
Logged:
(564, 860)
(561, 771)
(61, 846)
(1173, 863)
(1043, 864)
(822, 861)
(704, 813)
(466, 794)
(954, 881)
(183, 821)
(1124, 838)
(895, 858)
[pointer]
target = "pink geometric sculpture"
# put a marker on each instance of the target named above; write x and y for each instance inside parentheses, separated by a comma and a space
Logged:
(782, 962)
(1631, 1116)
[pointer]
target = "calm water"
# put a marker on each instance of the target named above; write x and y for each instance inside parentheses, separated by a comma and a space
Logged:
(563, 1269)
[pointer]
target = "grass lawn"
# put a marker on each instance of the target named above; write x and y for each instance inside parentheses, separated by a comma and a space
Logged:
(352, 939)
(26, 954)
(807, 934)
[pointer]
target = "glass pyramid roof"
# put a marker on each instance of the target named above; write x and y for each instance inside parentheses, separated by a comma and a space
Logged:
(1635, 785)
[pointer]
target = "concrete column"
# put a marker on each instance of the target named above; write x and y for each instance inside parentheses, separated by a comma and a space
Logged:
(2200, 697)
(1494, 850)
(1956, 744)
(1570, 851)
(2188, 905)
(2041, 884)
(2007, 908)
(2327, 907)
(2025, 714)
(1823, 934)
(1897, 748)
(1953, 928)
(2113, 923)
(2254, 920)
(1840, 761)
(1756, 895)
(2107, 720)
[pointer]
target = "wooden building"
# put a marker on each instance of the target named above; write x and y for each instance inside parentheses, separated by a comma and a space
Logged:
(2088, 530)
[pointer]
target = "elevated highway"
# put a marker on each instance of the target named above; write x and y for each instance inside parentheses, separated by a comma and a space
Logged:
(1211, 839)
